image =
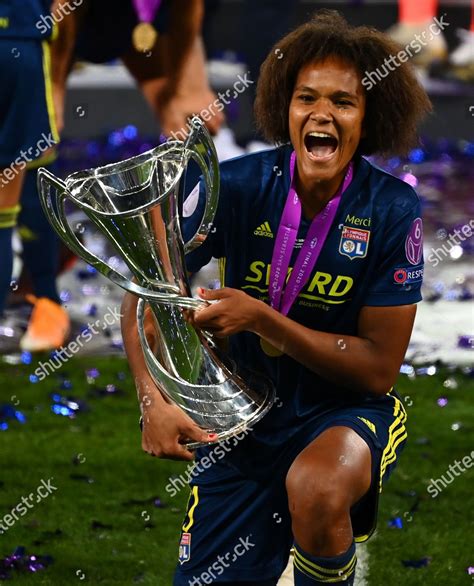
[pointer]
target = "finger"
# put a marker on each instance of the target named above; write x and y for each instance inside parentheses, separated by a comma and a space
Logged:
(205, 318)
(188, 315)
(186, 454)
(225, 333)
(193, 433)
(177, 452)
(215, 123)
(211, 294)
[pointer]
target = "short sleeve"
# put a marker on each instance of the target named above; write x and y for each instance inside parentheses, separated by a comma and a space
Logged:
(191, 216)
(398, 274)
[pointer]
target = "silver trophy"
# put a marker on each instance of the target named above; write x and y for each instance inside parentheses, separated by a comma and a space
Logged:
(134, 203)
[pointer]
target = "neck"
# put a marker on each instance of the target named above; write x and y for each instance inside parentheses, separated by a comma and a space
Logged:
(314, 195)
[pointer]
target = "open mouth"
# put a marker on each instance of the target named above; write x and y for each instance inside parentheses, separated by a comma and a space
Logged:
(320, 145)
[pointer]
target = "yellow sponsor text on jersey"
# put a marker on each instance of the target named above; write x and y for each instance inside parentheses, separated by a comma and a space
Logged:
(4, 22)
(357, 221)
(321, 283)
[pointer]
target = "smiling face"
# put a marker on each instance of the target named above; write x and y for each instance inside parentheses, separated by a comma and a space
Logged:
(325, 120)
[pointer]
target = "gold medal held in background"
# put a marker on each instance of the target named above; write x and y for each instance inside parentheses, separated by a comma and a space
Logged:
(144, 37)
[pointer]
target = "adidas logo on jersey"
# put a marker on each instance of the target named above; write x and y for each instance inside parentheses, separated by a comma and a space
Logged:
(264, 230)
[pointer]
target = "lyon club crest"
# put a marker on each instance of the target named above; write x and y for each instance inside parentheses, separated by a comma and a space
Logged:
(354, 242)
(185, 548)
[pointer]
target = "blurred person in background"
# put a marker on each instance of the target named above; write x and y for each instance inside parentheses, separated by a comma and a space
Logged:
(413, 26)
(158, 41)
(160, 44)
(28, 134)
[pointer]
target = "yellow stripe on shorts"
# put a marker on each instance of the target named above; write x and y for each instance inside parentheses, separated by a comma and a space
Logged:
(194, 493)
(49, 89)
(396, 434)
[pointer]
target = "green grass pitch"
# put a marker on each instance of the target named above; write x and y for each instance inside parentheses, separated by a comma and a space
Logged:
(138, 544)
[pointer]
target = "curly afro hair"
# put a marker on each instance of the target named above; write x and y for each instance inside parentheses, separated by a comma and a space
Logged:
(395, 104)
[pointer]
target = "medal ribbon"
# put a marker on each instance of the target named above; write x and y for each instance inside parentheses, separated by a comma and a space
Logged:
(282, 297)
(146, 9)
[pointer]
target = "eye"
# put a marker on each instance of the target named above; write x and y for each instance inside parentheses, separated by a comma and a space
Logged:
(343, 102)
(306, 98)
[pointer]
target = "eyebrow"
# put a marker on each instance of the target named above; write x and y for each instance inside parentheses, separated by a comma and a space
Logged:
(336, 94)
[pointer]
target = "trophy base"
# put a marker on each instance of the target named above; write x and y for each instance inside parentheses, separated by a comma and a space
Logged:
(267, 401)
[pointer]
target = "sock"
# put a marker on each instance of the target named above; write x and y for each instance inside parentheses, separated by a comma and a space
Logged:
(8, 217)
(40, 243)
(416, 12)
(310, 570)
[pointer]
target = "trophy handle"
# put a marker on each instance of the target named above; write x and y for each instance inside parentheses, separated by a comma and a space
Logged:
(199, 145)
(57, 216)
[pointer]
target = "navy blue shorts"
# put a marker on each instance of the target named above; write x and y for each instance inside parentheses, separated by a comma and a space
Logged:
(27, 124)
(238, 526)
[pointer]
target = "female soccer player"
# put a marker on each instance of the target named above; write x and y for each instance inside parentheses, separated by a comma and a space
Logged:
(331, 337)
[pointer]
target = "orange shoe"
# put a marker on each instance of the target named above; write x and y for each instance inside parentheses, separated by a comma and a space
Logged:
(48, 327)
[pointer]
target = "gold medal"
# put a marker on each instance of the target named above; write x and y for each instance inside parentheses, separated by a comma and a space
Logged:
(144, 37)
(269, 349)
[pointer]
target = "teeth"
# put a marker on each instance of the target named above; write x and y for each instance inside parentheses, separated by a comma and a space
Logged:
(321, 135)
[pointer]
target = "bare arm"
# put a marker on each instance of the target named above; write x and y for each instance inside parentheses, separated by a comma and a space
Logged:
(173, 77)
(184, 28)
(368, 362)
(62, 53)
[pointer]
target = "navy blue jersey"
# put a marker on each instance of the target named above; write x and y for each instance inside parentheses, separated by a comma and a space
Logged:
(372, 257)
(25, 19)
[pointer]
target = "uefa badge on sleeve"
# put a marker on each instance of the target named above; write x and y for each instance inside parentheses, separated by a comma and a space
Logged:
(354, 242)
(414, 242)
(185, 548)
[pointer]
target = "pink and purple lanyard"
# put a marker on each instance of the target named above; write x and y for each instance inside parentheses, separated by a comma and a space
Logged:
(146, 9)
(282, 297)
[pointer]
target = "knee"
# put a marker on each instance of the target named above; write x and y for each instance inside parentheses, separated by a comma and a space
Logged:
(315, 495)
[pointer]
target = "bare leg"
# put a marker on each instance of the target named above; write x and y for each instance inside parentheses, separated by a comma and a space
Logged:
(11, 182)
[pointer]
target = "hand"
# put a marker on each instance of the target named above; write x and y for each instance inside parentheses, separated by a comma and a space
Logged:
(235, 312)
(176, 105)
(165, 429)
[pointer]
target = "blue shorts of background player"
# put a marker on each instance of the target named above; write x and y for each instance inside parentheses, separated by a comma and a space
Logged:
(27, 124)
